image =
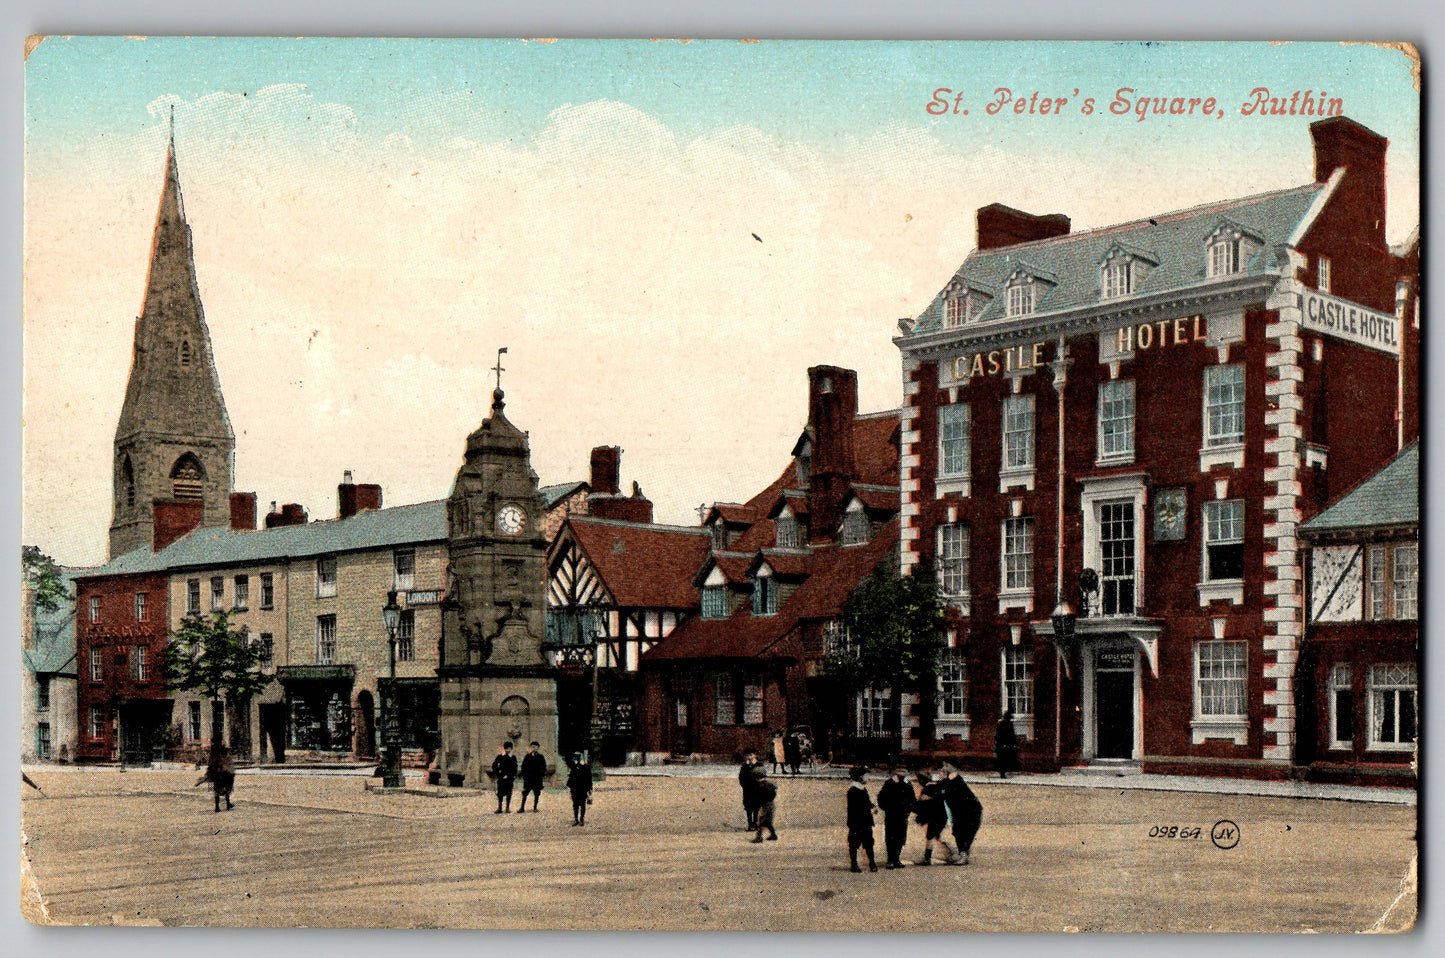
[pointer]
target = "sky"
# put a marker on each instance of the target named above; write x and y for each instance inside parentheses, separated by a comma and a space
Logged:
(664, 235)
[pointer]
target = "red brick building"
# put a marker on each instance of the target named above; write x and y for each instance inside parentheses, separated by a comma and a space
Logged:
(122, 624)
(1160, 403)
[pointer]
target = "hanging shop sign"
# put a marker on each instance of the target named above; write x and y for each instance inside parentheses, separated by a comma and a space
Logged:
(1351, 322)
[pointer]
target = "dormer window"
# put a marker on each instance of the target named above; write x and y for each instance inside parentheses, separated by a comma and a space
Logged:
(715, 595)
(1020, 299)
(1227, 250)
(787, 526)
(963, 306)
(804, 454)
(855, 525)
(1118, 278)
(765, 593)
(719, 536)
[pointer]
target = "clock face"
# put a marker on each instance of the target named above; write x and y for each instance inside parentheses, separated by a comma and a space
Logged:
(511, 520)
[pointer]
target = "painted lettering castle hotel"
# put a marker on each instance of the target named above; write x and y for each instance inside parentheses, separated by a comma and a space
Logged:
(1109, 443)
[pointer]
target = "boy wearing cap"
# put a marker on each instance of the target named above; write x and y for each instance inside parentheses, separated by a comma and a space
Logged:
(896, 799)
(504, 770)
(534, 770)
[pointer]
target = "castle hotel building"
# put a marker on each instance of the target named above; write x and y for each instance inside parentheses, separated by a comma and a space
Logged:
(1127, 426)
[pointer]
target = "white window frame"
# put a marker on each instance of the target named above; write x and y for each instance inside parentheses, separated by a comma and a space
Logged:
(1022, 298)
(326, 577)
(1116, 278)
(97, 723)
(241, 593)
(837, 640)
(1127, 597)
(1230, 409)
(94, 608)
(1224, 255)
(871, 713)
(1112, 490)
(953, 690)
(325, 649)
(955, 310)
(403, 570)
(1018, 423)
(1116, 422)
(218, 593)
(1341, 680)
(406, 636)
(140, 606)
(725, 700)
(1390, 596)
(1016, 687)
(139, 667)
(1392, 681)
(1221, 655)
(1016, 583)
(952, 556)
(1218, 530)
(955, 448)
(1322, 274)
(752, 704)
(96, 660)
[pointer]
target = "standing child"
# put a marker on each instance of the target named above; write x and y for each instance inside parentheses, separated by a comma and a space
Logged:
(534, 770)
(860, 820)
(504, 770)
(896, 799)
(747, 782)
(767, 794)
(221, 773)
(579, 783)
(933, 816)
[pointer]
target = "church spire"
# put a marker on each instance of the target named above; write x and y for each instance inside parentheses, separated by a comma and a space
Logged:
(174, 418)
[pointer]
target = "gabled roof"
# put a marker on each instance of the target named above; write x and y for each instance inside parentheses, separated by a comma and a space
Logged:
(833, 574)
(876, 498)
(1175, 241)
(1388, 499)
(368, 529)
(733, 513)
(551, 495)
(643, 565)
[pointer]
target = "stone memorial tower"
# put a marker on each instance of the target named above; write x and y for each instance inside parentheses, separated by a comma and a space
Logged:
(496, 683)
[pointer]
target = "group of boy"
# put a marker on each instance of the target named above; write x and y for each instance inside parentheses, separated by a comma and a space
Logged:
(936, 803)
(533, 769)
(759, 797)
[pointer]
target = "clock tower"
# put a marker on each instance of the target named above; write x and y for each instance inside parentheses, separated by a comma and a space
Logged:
(496, 684)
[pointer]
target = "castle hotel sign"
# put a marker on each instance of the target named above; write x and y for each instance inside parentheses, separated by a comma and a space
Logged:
(1349, 321)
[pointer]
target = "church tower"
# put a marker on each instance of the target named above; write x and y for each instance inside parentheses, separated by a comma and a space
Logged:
(174, 441)
(496, 683)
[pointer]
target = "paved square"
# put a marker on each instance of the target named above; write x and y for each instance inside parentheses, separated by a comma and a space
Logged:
(669, 853)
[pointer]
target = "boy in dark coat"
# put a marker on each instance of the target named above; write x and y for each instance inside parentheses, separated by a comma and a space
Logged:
(221, 773)
(504, 770)
(750, 793)
(579, 783)
(860, 820)
(534, 770)
(965, 810)
(932, 814)
(767, 794)
(896, 799)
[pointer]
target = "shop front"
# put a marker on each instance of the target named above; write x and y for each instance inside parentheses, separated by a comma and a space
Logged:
(318, 706)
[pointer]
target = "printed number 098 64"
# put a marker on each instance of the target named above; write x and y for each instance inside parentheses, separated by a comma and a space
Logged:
(1173, 831)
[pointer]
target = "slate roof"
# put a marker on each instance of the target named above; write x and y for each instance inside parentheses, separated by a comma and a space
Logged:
(369, 529)
(53, 639)
(1174, 241)
(1389, 498)
(644, 565)
(834, 572)
(551, 495)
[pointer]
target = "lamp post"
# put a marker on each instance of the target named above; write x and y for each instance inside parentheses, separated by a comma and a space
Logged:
(390, 732)
(594, 743)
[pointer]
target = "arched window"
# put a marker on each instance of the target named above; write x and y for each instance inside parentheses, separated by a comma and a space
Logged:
(187, 478)
(185, 352)
(127, 483)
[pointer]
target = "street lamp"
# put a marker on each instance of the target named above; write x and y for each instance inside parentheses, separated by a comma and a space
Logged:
(594, 758)
(390, 732)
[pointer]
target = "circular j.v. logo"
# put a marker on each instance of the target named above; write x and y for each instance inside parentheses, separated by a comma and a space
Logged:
(1224, 834)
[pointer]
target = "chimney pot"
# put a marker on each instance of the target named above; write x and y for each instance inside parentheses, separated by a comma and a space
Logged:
(346, 477)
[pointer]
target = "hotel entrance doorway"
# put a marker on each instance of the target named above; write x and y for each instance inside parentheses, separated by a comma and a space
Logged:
(1114, 702)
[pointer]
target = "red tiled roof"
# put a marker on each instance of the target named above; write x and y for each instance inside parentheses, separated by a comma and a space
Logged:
(834, 572)
(732, 512)
(643, 565)
(734, 566)
(873, 497)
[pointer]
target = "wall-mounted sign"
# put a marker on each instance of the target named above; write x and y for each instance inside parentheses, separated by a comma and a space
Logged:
(1349, 321)
(1011, 360)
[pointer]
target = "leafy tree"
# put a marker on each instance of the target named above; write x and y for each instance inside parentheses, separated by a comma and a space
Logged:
(44, 575)
(207, 655)
(895, 634)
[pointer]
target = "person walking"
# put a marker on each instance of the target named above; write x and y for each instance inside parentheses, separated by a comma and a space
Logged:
(504, 770)
(1006, 745)
(767, 794)
(221, 773)
(965, 811)
(579, 783)
(793, 752)
(860, 820)
(748, 783)
(780, 754)
(932, 814)
(896, 799)
(534, 770)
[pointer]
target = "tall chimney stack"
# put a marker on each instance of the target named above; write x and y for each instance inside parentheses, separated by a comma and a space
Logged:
(832, 413)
